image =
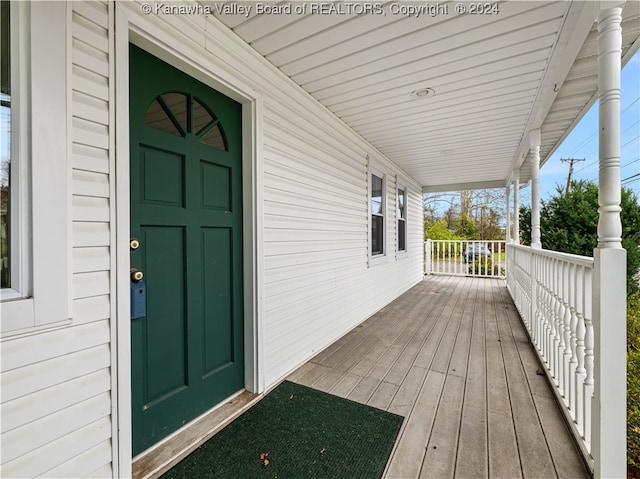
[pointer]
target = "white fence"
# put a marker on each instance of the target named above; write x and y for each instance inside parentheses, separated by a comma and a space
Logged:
(465, 258)
(553, 292)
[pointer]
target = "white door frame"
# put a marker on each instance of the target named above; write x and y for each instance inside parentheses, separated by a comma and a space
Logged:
(151, 34)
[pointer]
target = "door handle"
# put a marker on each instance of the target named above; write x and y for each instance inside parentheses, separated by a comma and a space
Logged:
(136, 275)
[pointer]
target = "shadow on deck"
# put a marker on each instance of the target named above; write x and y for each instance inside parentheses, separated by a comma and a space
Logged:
(452, 357)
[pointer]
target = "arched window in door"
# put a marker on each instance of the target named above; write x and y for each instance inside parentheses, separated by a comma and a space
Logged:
(179, 113)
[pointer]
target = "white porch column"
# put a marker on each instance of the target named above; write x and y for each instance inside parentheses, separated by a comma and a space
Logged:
(507, 228)
(608, 439)
(534, 146)
(516, 207)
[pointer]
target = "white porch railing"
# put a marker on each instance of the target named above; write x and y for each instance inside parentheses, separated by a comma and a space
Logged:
(553, 292)
(465, 258)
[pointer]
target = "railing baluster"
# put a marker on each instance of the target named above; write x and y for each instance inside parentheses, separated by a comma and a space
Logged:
(558, 313)
(573, 324)
(456, 267)
(553, 352)
(589, 345)
(549, 312)
(566, 332)
(542, 332)
(580, 372)
(533, 294)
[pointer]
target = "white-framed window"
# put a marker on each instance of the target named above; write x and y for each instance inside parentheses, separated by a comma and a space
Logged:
(378, 205)
(5, 142)
(14, 268)
(401, 217)
(35, 202)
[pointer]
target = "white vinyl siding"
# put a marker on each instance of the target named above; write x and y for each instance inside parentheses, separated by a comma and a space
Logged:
(56, 384)
(317, 284)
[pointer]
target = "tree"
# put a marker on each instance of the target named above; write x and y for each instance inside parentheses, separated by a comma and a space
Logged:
(525, 225)
(470, 214)
(438, 231)
(465, 226)
(568, 223)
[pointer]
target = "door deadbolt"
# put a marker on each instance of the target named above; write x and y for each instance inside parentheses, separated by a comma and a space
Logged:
(136, 275)
(134, 244)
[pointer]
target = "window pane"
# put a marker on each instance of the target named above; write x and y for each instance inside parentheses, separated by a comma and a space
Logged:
(215, 138)
(376, 194)
(401, 203)
(402, 235)
(402, 224)
(201, 116)
(377, 234)
(207, 127)
(177, 104)
(157, 118)
(5, 143)
(168, 113)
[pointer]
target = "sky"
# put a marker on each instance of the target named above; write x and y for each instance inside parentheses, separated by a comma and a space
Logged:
(582, 142)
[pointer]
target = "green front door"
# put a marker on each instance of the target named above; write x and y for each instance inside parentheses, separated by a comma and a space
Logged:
(186, 215)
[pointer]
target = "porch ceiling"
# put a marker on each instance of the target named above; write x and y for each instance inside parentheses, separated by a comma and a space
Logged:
(495, 77)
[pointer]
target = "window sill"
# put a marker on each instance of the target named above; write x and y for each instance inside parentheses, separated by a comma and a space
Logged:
(17, 314)
(402, 254)
(8, 294)
(18, 320)
(378, 259)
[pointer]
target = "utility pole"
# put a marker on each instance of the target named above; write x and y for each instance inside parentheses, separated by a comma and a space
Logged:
(570, 161)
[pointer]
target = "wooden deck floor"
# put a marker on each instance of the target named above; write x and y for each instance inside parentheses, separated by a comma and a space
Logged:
(453, 358)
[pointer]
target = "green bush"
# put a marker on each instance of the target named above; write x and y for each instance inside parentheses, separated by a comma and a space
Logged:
(485, 267)
(633, 380)
(633, 408)
(439, 231)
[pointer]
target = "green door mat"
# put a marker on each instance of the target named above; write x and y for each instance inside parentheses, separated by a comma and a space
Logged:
(296, 432)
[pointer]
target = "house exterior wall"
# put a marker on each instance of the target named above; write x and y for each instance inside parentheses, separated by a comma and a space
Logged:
(316, 282)
(57, 382)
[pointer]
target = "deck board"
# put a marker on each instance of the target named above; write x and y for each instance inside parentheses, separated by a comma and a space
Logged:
(472, 459)
(452, 356)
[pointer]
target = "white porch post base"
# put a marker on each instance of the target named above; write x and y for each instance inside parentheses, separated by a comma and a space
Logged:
(609, 410)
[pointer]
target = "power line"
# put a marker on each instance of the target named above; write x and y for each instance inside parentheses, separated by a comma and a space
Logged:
(589, 165)
(629, 142)
(631, 126)
(593, 135)
(630, 163)
(594, 162)
(630, 178)
(630, 105)
(584, 142)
